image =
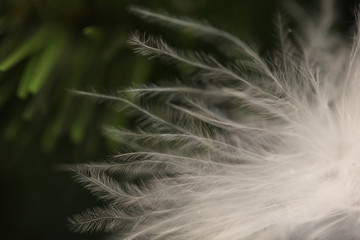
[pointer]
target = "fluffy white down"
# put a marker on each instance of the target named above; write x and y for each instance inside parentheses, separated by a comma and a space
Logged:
(255, 149)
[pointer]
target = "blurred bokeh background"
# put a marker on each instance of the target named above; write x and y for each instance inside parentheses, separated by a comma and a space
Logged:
(49, 47)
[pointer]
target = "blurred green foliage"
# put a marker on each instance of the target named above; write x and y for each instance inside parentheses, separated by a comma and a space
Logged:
(49, 47)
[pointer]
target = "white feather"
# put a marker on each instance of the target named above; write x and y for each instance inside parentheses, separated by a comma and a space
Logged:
(259, 150)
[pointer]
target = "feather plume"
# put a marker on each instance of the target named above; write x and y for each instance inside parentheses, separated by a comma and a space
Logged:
(255, 149)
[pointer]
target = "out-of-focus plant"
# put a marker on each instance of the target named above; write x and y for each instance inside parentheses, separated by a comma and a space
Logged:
(49, 47)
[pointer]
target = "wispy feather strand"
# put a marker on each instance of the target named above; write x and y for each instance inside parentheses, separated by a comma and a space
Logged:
(259, 150)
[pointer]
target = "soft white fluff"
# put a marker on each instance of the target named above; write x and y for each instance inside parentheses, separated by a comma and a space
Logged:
(252, 149)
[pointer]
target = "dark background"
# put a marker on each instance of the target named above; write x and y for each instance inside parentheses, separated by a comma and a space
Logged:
(48, 47)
